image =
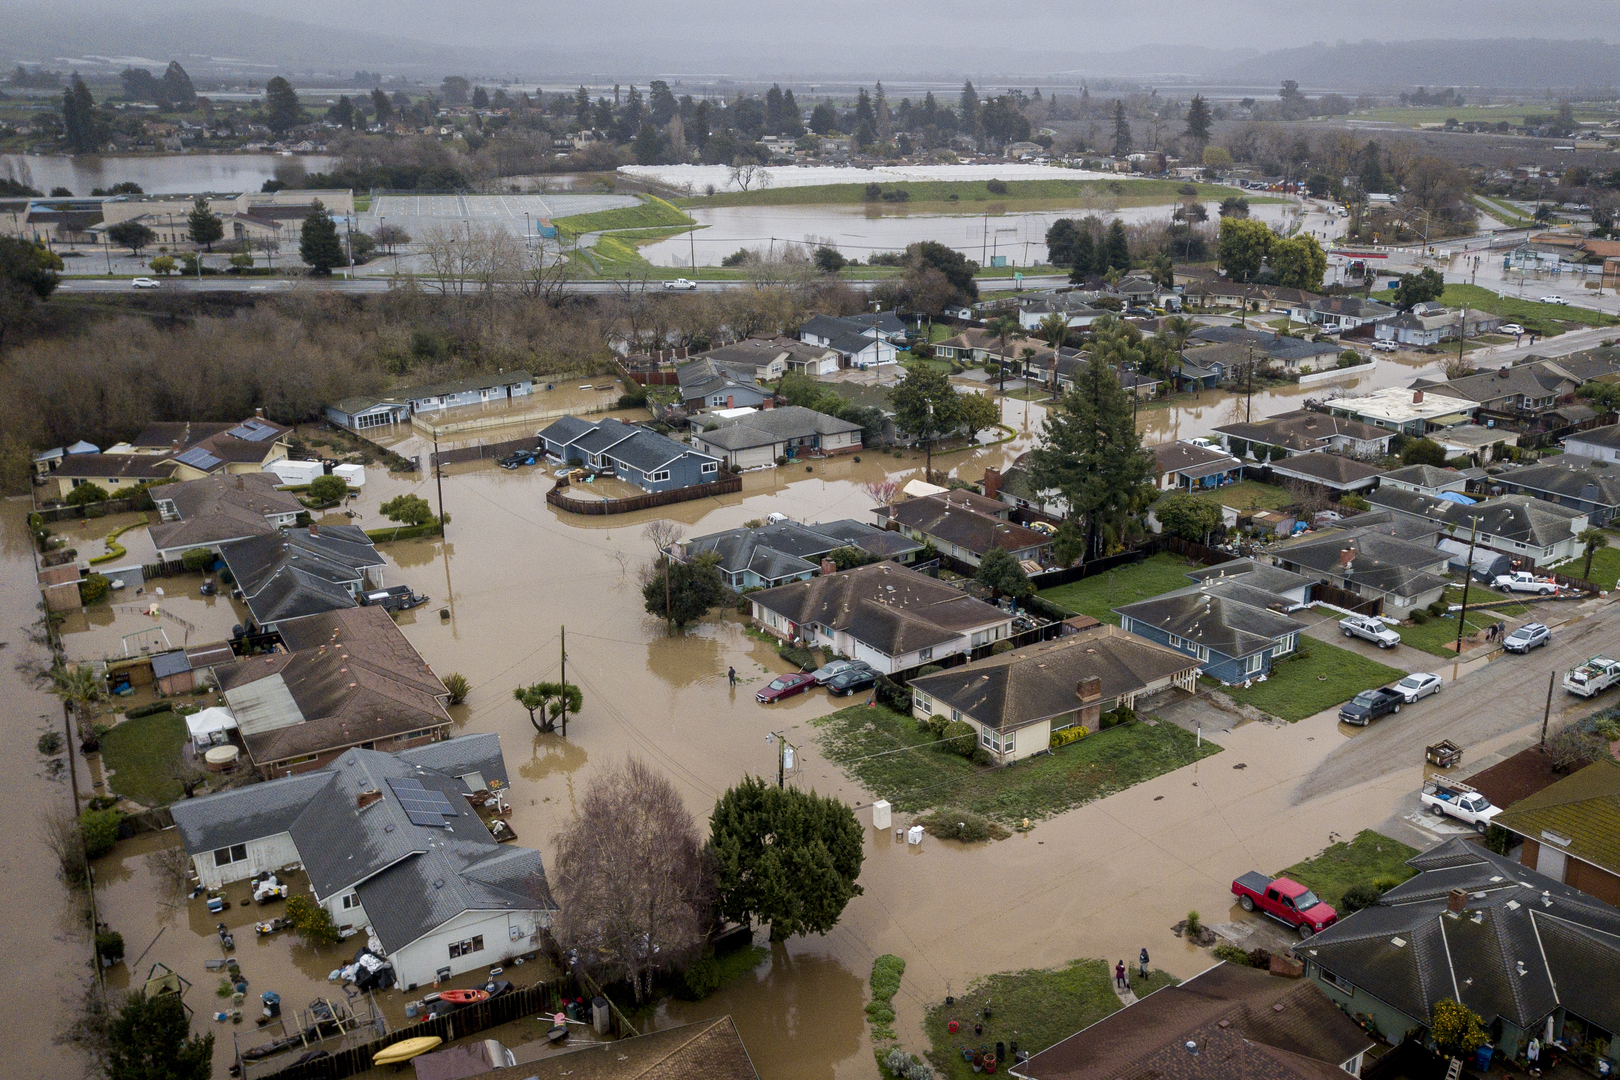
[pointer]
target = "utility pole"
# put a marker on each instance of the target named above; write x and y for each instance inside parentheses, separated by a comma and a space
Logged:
(783, 754)
(1546, 713)
(438, 476)
(1462, 326)
(564, 679)
(1248, 409)
(1468, 577)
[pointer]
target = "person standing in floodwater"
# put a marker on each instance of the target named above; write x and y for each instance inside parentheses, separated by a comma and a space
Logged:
(731, 674)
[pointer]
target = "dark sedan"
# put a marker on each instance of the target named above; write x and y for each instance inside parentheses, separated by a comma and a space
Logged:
(851, 680)
(785, 686)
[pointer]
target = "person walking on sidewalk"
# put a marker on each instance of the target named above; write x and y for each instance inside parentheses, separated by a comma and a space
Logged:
(1119, 976)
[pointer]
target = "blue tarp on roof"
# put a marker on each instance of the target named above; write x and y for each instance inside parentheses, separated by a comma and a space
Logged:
(1456, 497)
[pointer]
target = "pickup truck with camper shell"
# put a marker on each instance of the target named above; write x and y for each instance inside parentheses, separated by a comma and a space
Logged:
(1593, 677)
(1454, 799)
(1287, 901)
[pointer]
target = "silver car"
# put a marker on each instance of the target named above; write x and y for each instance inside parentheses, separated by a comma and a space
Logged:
(1419, 684)
(1527, 637)
(831, 671)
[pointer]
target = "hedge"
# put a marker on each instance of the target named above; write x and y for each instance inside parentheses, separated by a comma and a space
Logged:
(405, 532)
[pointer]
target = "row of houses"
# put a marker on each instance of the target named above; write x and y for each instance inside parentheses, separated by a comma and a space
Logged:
(166, 451)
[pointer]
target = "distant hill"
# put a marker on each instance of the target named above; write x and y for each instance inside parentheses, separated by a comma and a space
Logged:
(1371, 65)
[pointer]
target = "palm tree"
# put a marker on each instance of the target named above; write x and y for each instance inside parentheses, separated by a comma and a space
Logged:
(78, 687)
(1004, 327)
(1591, 540)
(1055, 329)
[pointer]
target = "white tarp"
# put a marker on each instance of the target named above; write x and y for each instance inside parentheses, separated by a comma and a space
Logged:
(203, 725)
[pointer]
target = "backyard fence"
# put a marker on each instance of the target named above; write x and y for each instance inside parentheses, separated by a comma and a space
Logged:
(163, 569)
(95, 509)
(724, 486)
(1323, 593)
(483, 450)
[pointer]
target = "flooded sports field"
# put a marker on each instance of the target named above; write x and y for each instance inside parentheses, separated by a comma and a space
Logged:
(510, 575)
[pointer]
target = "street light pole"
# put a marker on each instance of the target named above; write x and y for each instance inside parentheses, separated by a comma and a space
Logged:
(1468, 577)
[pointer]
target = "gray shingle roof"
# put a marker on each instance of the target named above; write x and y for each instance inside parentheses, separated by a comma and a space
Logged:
(648, 450)
(1331, 469)
(609, 432)
(963, 525)
(769, 426)
(1226, 617)
(1521, 518)
(1190, 460)
(245, 813)
(1568, 478)
(1379, 562)
(565, 429)
(1302, 430)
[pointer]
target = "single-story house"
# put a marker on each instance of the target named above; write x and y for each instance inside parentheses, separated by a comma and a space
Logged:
(1304, 431)
(214, 511)
(1596, 444)
(1191, 373)
(111, 472)
(290, 574)
(771, 555)
(1236, 631)
(858, 342)
(1409, 412)
(645, 458)
(397, 406)
(1293, 590)
(1185, 466)
(1571, 830)
(709, 384)
(1335, 314)
(964, 528)
(973, 345)
(1403, 574)
(758, 439)
(348, 678)
(893, 618)
(1531, 956)
(1076, 312)
(1592, 487)
(200, 450)
(1474, 440)
(1016, 700)
(391, 843)
(1336, 472)
(1525, 528)
(1425, 479)
(1230, 1022)
(767, 360)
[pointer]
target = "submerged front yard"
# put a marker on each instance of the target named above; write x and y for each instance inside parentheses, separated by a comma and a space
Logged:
(921, 776)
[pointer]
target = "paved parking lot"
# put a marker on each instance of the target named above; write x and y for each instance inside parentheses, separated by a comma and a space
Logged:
(417, 212)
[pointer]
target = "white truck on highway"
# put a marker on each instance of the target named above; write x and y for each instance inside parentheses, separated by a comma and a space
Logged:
(1524, 581)
(1452, 799)
(1593, 677)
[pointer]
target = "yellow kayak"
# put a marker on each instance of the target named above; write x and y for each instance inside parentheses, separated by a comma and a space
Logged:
(405, 1050)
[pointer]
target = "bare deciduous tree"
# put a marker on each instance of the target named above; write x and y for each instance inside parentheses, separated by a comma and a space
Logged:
(630, 878)
(663, 533)
(882, 492)
(60, 832)
(470, 255)
(746, 173)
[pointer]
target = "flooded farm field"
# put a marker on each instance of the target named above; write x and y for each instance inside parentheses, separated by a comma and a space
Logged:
(511, 573)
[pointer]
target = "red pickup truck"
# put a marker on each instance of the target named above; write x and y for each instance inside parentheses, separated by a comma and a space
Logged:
(1286, 901)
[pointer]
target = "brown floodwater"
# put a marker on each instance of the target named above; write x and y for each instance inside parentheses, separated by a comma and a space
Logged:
(1103, 880)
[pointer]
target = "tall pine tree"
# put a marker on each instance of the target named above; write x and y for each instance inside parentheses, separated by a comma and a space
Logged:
(1122, 130)
(318, 243)
(1198, 119)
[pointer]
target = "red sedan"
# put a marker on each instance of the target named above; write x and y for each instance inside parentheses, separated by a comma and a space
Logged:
(784, 686)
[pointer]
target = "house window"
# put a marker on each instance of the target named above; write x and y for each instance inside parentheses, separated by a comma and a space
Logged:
(922, 701)
(352, 900)
(1336, 980)
(984, 737)
(1252, 664)
(980, 638)
(466, 948)
(661, 474)
(711, 467)
(925, 654)
(955, 715)
(1288, 645)
(234, 854)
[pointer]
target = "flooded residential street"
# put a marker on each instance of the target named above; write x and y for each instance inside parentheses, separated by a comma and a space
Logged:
(1103, 880)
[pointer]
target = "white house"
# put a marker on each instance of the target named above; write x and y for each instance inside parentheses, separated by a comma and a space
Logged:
(1599, 444)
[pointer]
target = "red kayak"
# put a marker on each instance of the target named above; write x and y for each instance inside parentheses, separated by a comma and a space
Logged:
(463, 997)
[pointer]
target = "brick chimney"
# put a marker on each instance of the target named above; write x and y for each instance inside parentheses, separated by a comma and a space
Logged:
(828, 567)
(768, 403)
(1456, 900)
(992, 483)
(259, 412)
(731, 401)
(240, 484)
(1089, 691)
(366, 798)
(1417, 397)
(1346, 557)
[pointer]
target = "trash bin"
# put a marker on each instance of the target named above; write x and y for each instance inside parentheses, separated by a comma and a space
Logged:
(1482, 1057)
(272, 1003)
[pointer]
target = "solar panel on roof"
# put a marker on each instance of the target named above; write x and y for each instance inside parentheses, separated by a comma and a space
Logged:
(423, 806)
(252, 431)
(198, 458)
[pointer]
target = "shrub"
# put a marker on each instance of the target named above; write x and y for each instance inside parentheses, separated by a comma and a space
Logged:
(797, 655)
(49, 743)
(313, 922)
(1419, 616)
(1232, 954)
(327, 489)
(952, 823)
(457, 684)
(903, 1065)
(100, 828)
(1194, 924)
(198, 559)
(1068, 735)
(981, 756)
(148, 710)
(1355, 502)
(1001, 647)
(996, 187)
(85, 493)
(110, 946)
(962, 738)
(701, 978)
(93, 589)
(1439, 608)
(1358, 896)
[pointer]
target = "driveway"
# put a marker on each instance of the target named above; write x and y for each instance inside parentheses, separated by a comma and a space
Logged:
(1325, 627)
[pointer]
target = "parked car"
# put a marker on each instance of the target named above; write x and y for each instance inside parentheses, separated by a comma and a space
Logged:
(1370, 629)
(785, 686)
(1512, 328)
(680, 284)
(1527, 637)
(1524, 581)
(1553, 299)
(1419, 684)
(1287, 901)
(517, 458)
(393, 598)
(145, 283)
(1369, 705)
(1385, 346)
(1453, 799)
(1593, 677)
(847, 682)
(829, 672)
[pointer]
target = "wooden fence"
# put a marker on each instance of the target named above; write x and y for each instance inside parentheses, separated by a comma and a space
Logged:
(96, 509)
(163, 569)
(468, 1020)
(1324, 593)
(484, 450)
(724, 486)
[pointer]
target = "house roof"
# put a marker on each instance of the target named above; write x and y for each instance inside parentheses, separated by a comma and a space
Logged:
(1518, 777)
(1224, 616)
(1608, 437)
(1567, 477)
(1583, 809)
(606, 433)
(1533, 380)
(350, 676)
(565, 429)
(885, 606)
(954, 521)
(770, 426)
(1038, 682)
(1400, 406)
(220, 508)
(457, 386)
(1243, 1023)
(122, 466)
(1259, 575)
(1330, 469)
(789, 547)
(1427, 476)
(646, 450)
(1382, 563)
(706, 1050)
(1521, 518)
(1567, 942)
(1352, 306)
(1191, 460)
(1303, 430)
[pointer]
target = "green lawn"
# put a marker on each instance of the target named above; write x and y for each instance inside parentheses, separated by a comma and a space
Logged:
(1097, 596)
(1318, 677)
(144, 757)
(1437, 636)
(1368, 858)
(1038, 787)
(1480, 594)
(1124, 192)
(1034, 1008)
(1249, 495)
(651, 213)
(1605, 568)
(1544, 319)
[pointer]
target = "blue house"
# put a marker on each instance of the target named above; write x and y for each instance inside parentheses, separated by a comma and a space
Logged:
(1234, 629)
(647, 459)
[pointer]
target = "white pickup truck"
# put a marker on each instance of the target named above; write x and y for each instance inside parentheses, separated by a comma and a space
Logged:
(1593, 677)
(1524, 581)
(1459, 801)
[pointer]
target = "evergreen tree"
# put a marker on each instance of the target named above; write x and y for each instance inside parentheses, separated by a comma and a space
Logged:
(342, 114)
(863, 110)
(177, 91)
(1000, 573)
(318, 243)
(582, 108)
(281, 111)
(1118, 251)
(150, 1039)
(773, 110)
(925, 405)
(82, 126)
(1299, 262)
(661, 104)
(692, 590)
(968, 106)
(649, 145)
(381, 106)
(480, 98)
(880, 110)
(1083, 255)
(1122, 130)
(792, 121)
(203, 226)
(1198, 119)
(785, 857)
(1090, 453)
